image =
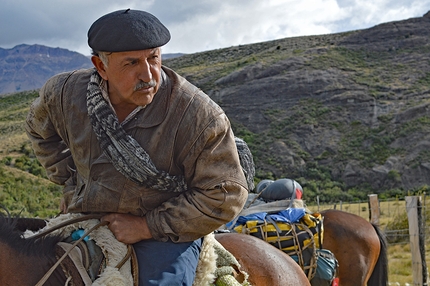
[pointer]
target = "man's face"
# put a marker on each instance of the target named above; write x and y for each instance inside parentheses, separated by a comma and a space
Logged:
(133, 78)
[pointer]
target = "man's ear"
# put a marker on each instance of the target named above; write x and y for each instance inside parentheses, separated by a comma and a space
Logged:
(98, 64)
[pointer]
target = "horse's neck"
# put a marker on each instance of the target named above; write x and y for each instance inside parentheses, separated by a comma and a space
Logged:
(17, 268)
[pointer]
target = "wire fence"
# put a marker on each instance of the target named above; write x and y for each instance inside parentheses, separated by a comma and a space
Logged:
(393, 220)
(389, 208)
(393, 215)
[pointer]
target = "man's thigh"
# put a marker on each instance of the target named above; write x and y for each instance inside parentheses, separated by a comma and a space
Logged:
(167, 263)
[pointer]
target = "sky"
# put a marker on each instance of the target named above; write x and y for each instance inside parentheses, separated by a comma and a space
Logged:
(198, 25)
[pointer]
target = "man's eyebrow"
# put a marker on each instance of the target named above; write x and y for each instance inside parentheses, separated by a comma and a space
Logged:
(130, 59)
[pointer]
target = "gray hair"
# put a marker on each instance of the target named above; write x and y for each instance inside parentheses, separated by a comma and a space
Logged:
(103, 56)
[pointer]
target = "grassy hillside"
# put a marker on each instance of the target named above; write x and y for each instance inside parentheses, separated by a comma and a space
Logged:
(24, 188)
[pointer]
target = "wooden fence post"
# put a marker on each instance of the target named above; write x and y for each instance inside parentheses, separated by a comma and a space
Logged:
(318, 203)
(417, 240)
(374, 213)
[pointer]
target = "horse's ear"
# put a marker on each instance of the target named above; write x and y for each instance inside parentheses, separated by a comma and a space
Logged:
(246, 161)
(5, 209)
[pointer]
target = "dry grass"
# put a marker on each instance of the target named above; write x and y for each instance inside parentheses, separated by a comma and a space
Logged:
(11, 143)
(400, 264)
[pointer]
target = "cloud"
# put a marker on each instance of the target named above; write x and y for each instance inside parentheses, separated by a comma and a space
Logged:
(198, 25)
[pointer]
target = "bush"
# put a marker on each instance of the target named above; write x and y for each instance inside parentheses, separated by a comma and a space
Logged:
(28, 197)
(394, 229)
(7, 160)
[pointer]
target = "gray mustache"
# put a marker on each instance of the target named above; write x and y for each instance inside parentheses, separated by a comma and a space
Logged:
(143, 84)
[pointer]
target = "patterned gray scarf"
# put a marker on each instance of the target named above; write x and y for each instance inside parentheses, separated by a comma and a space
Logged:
(125, 153)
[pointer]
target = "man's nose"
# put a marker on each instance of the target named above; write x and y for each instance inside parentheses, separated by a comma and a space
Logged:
(145, 73)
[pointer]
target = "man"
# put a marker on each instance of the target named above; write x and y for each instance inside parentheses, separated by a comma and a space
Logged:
(133, 139)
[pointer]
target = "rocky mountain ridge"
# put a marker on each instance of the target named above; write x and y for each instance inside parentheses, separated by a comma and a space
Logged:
(348, 109)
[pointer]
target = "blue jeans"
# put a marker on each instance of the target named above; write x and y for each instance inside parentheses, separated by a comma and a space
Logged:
(167, 263)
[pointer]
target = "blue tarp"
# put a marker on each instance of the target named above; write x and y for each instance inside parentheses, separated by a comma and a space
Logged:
(291, 215)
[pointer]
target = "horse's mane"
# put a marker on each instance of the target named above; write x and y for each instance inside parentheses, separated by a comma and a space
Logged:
(13, 238)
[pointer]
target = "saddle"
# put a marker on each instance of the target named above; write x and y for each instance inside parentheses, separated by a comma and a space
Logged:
(102, 260)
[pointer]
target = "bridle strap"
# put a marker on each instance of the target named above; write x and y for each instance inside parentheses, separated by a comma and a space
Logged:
(52, 269)
(66, 223)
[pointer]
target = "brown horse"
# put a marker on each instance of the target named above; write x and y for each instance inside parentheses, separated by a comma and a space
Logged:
(24, 261)
(359, 246)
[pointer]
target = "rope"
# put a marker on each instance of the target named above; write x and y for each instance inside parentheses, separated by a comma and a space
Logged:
(126, 257)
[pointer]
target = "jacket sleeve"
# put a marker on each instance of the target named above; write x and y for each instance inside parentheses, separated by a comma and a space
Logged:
(49, 148)
(217, 188)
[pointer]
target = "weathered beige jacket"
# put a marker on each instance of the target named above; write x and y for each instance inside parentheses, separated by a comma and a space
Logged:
(183, 131)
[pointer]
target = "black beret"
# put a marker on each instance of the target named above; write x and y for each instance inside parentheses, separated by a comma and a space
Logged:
(127, 30)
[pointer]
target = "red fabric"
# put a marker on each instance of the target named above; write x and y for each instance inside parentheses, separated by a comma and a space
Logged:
(298, 194)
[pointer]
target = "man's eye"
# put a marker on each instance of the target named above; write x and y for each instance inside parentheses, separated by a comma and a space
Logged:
(131, 63)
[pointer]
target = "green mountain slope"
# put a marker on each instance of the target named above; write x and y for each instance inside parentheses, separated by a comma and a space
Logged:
(24, 188)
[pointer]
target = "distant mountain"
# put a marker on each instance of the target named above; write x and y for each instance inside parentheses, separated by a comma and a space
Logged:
(171, 56)
(27, 67)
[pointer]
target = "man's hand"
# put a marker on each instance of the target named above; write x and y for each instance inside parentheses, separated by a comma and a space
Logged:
(127, 228)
